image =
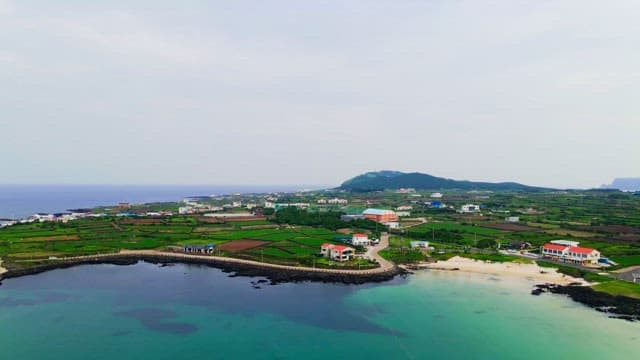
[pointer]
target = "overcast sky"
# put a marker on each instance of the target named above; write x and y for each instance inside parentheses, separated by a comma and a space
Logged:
(313, 92)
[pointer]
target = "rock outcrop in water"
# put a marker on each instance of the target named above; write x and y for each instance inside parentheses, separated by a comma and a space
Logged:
(621, 307)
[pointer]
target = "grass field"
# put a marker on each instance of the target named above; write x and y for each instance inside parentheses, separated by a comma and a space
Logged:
(22, 244)
(617, 287)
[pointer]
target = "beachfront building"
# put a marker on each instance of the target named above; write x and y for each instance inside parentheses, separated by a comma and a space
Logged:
(360, 239)
(380, 215)
(199, 249)
(571, 254)
(337, 252)
(469, 208)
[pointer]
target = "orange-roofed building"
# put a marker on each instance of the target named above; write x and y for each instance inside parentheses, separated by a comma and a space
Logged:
(380, 215)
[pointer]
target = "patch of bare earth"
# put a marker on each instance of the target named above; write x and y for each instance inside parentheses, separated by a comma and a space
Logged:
(240, 245)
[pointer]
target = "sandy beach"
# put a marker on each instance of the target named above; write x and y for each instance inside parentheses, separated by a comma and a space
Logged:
(2, 270)
(529, 271)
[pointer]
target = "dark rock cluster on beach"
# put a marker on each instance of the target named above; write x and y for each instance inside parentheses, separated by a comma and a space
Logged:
(620, 307)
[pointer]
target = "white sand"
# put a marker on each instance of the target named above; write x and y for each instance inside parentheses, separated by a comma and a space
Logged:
(2, 270)
(530, 271)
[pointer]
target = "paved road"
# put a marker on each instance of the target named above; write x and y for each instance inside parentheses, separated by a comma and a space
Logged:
(372, 252)
(385, 266)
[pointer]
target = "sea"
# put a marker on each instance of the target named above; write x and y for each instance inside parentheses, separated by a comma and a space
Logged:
(19, 201)
(146, 311)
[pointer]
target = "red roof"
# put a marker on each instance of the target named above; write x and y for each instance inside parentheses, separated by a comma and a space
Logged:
(341, 248)
(360, 235)
(580, 250)
(555, 247)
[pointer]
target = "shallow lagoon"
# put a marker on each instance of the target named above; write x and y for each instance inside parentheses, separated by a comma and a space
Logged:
(147, 311)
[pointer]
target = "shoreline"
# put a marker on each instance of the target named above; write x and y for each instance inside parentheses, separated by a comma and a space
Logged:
(528, 271)
(240, 267)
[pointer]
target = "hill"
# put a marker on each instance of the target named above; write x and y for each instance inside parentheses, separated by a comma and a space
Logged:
(624, 184)
(386, 179)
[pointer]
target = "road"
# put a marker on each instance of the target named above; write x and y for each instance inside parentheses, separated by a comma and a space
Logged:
(372, 252)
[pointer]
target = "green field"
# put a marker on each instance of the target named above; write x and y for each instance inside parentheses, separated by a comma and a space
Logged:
(21, 245)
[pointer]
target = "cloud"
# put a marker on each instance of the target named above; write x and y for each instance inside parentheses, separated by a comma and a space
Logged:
(7, 7)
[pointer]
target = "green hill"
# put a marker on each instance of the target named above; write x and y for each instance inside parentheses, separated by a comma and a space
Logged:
(386, 179)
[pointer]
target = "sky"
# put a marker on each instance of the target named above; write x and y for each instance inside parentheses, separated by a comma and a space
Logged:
(315, 92)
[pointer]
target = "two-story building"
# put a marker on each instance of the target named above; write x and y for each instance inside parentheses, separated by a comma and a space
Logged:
(571, 254)
(337, 252)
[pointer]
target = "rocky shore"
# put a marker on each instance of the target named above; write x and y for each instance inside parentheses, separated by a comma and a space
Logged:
(274, 274)
(621, 307)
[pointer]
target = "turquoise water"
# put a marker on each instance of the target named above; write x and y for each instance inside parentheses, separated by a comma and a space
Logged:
(145, 311)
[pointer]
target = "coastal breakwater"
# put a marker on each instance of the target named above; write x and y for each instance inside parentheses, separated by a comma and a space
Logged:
(239, 267)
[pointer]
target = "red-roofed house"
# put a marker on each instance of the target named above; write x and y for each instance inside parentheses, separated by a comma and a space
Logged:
(337, 252)
(571, 254)
(359, 239)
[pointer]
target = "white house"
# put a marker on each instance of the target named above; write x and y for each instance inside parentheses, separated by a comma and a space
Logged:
(337, 201)
(360, 239)
(404, 208)
(436, 195)
(512, 219)
(469, 208)
(337, 252)
(403, 213)
(419, 244)
(392, 224)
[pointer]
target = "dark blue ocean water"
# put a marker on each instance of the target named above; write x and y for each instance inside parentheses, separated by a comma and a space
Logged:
(18, 201)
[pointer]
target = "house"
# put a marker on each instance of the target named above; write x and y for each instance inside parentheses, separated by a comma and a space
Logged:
(519, 245)
(337, 201)
(348, 218)
(571, 254)
(419, 244)
(360, 239)
(337, 252)
(199, 249)
(404, 208)
(436, 195)
(7, 222)
(405, 191)
(392, 224)
(380, 215)
(469, 208)
(403, 213)
(41, 217)
(512, 219)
